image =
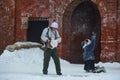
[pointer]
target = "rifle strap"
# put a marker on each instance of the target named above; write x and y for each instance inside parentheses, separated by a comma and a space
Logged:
(53, 33)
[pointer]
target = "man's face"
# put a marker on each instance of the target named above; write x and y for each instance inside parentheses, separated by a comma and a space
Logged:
(54, 29)
(85, 42)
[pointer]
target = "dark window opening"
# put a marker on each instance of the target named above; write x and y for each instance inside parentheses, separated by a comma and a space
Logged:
(35, 28)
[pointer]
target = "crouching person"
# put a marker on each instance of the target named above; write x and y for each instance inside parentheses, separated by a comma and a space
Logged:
(88, 54)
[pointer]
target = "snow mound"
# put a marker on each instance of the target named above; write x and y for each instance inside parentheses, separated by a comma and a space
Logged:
(33, 55)
(22, 45)
(24, 56)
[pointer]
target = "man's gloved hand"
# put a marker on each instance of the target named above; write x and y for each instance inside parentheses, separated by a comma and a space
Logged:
(48, 43)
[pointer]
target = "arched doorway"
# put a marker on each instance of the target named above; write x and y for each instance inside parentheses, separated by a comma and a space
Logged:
(79, 21)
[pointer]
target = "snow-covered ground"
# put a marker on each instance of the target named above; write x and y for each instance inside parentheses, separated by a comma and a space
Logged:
(27, 64)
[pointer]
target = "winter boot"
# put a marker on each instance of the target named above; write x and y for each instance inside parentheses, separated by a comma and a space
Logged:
(59, 73)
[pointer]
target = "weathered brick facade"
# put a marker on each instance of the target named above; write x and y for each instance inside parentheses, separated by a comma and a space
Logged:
(12, 12)
(7, 23)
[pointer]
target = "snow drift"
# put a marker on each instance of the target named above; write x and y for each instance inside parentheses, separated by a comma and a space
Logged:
(27, 64)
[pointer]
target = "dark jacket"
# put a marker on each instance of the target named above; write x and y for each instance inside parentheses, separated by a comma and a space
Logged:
(88, 53)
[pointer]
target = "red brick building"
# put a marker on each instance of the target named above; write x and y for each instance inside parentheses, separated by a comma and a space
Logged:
(21, 20)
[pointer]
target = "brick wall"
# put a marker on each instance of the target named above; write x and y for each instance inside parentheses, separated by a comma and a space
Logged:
(118, 31)
(12, 11)
(108, 10)
(7, 23)
(29, 8)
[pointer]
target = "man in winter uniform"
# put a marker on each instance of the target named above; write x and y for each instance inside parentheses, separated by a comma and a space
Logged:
(88, 54)
(51, 38)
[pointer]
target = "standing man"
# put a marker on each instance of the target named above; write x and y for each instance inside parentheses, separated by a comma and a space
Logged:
(88, 55)
(51, 38)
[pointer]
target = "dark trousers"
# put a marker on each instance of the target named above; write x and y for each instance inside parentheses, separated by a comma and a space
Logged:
(89, 65)
(47, 55)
